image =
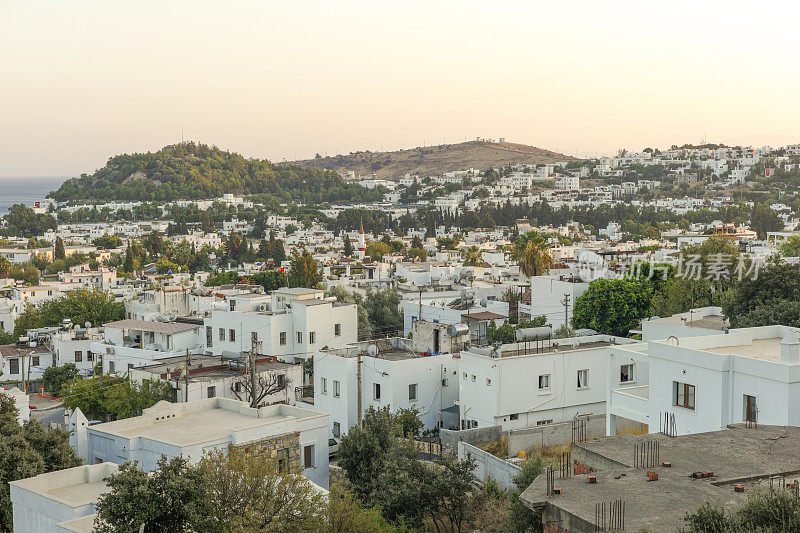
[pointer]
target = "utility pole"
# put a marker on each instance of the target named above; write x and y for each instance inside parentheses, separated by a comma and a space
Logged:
(186, 378)
(358, 374)
(22, 372)
(565, 303)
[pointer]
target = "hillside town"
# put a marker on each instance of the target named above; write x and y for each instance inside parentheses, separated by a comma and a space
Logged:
(527, 329)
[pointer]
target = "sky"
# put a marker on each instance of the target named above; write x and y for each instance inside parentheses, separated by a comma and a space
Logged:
(84, 80)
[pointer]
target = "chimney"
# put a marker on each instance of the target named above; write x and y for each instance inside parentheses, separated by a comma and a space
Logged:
(790, 349)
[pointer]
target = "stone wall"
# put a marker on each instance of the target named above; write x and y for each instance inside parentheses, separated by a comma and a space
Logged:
(290, 442)
(476, 436)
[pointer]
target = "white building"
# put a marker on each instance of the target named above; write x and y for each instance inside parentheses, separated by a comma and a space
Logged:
(130, 343)
(521, 385)
(21, 401)
(548, 295)
(568, 183)
(705, 383)
(391, 375)
(289, 324)
(297, 438)
(60, 501)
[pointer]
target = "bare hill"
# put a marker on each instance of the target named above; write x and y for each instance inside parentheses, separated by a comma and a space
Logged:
(432, 160)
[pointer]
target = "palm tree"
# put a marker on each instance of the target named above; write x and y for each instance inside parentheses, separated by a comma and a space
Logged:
(472, 256)
(532, 253)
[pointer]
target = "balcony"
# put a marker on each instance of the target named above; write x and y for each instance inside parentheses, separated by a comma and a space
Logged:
(631, 402)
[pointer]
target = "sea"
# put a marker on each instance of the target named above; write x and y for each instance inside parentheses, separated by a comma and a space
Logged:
(26, 191)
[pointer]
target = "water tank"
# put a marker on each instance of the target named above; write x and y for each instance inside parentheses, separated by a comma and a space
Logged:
(372, 350)
(534, 334)
(457, 330)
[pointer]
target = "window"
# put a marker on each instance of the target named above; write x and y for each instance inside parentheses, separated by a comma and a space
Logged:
(337, 429)
(232, 335)
(209, 336)
(750, 410)
(583, 379)
(312, 337)
(323, 385)
(237, 387)
(281, 381)
(78, 356)
(299, 337)
(283, 461)
(130, 365)
(254, 336)
(337, 330)
(514, 416)
(683, 395)
(35, 360)
(336, 388)
(412, 392)
(89, 356)
(233, 305)
(625, 373)
(111, 367)
(308, 456)
(222, 334)
(544, 381)
(473, 377)
(376, 391)
(13, 366)
(488, 382)
(544, 422)
(283, 338)
(465, 375)
(211, 392)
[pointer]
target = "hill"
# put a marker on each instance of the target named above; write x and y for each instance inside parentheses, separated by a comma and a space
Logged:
(433, 160)
(189, 171)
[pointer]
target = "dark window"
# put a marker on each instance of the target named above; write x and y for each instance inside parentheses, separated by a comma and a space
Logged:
(337, 429)
(209, 336)
(283, 338)
(308, 456)
(337, 330)
(283, 461)
(211, 392)
(78, 356)
(376, 391)
(13, 366)
(35, 360)
(232, 335)
(222, 334)
(625, 373)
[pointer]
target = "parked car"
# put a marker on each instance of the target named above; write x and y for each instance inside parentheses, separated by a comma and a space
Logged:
(333, 447)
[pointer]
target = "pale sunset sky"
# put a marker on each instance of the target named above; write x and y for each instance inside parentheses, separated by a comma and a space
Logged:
(83, 80)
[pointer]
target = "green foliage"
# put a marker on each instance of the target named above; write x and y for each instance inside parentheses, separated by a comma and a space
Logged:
(532, 253)
(772, 298)
(505, 334)
(25, 451)
(109, 397)
(767, 510)
(55, 377)
(27, 273)
(409, 421)
(791, 248)
(193, 171)
(383, 311)
(79, 305)
(106, 242)
(304, 271)
(613, 306)
(58, 250)
(764, 219)
(171, 498)
(520, 518)
(21, 221)
(365, 328)
(377, 249)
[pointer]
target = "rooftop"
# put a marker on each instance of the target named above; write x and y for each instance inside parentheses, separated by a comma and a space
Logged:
(764, 349)
(145, 325)
(738, 455)
(198, 422)
(75, 487)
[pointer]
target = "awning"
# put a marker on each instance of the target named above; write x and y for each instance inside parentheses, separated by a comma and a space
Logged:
(453, 409)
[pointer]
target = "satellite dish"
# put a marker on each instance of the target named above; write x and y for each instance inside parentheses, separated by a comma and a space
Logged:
(88, 324)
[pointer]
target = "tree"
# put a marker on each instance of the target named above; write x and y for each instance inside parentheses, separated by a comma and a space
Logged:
(377, 249)
(266, 384)
(304, 270)
(520, 518)
(128, 265)
(348, 246)
(383, 311)
(59, 252)
(25, 451)
(246, 492)
(409, 422)
(472, 256)
(417, 253)
(363, 449)
(765, 509)
(80, 305)
(771, 298)
(346, 514)
(532, 252)
(107, 397)
(364, 325)
(613, 306)
(55, 377)
(171, 498)
(764, 219)
(791, 248)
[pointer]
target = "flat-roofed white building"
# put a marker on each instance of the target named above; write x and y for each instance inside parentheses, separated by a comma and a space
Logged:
(296, 437)
(704, 383)
(525, 384)
(59, 501)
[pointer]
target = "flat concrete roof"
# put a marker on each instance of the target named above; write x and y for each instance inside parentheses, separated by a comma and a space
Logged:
(738, 455)
(158, 327)
(75, 487)
(201, 421)
(764, 349)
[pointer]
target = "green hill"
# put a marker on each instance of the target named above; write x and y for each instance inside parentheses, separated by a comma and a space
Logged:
(189, 171)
